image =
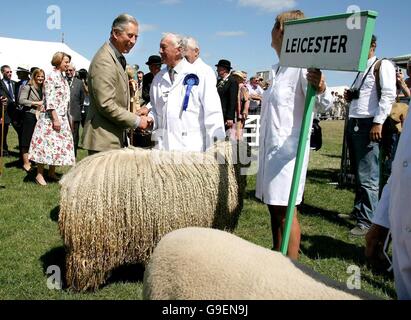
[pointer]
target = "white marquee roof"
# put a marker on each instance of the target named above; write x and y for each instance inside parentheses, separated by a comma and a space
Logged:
(29, 53)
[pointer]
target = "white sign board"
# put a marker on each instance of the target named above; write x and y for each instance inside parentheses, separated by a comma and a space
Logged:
(339, 42)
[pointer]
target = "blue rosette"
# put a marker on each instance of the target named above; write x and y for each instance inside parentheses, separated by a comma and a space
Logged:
(190, 81)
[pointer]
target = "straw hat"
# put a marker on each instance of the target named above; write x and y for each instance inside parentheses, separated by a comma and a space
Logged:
(239, 74)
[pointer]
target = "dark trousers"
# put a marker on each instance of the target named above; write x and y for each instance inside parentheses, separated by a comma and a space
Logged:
(29, 124)
(76, 135)
(364, 157)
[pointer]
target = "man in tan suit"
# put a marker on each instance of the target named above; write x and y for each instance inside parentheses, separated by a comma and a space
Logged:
(108, 117)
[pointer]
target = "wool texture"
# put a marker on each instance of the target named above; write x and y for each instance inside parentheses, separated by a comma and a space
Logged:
(117, 205)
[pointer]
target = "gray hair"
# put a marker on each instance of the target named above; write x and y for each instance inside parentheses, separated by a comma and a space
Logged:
(191, 43)
(121, 22)
(177, 39)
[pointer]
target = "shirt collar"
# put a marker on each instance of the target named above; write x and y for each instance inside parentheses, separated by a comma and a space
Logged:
(179, 67)
(226, 77)
(371, 60)
(116, 52)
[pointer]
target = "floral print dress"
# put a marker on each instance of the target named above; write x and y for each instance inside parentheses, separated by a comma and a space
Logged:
(47, 145)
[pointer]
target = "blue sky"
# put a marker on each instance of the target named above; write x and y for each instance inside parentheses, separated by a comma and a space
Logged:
(238, 30)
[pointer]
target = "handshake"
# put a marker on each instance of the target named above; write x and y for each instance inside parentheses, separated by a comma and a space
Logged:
(145, 123)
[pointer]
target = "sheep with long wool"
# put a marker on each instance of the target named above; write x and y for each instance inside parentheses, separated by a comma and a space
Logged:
(115, 206)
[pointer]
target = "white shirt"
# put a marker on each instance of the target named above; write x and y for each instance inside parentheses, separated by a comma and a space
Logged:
(6, 83)
(254, 91)
(195, 128)
(368, 106)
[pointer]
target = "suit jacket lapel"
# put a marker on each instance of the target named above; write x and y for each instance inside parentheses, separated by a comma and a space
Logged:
(118, 64)
(6, 90)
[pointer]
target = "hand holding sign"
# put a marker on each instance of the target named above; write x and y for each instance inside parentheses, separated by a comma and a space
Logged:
(316, 78)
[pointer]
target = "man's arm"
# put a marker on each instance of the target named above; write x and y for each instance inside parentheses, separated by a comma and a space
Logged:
(388, 94)
(103, 83)
(259, 94)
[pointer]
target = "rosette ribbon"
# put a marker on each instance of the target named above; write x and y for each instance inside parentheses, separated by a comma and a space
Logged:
(190, 81)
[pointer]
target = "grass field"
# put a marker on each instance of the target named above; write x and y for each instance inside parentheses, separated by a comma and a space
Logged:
(30, 242)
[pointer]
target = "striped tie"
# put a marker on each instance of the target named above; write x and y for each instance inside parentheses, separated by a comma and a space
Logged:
(171, 72)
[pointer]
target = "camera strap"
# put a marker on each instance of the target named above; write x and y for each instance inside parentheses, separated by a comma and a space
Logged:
(365, 76)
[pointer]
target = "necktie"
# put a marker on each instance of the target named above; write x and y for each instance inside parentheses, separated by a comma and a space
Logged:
(122, 61)
(10, 90)
(171, 73)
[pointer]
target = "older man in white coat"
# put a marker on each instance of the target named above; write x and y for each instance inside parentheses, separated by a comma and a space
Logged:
(192, 54)
(186, 109)
(393, 213)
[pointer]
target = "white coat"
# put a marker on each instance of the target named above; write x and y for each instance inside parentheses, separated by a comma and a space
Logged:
(281, 117)
(206, 69)
(195, 128)
(394, 212)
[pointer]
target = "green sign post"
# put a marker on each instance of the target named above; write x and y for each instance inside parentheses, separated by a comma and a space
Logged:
(337, 42)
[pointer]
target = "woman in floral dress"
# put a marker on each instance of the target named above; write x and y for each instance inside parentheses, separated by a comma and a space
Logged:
(52, 141)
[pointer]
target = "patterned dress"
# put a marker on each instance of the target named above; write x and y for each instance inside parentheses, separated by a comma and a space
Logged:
(47, 145)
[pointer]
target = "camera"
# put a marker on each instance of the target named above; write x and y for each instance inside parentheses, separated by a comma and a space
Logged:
(353, 94)
(82, 74)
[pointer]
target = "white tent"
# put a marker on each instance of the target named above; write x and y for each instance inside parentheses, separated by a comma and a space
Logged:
(28, 53)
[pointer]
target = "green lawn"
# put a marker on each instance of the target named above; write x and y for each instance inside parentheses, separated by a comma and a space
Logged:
(30, 241)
